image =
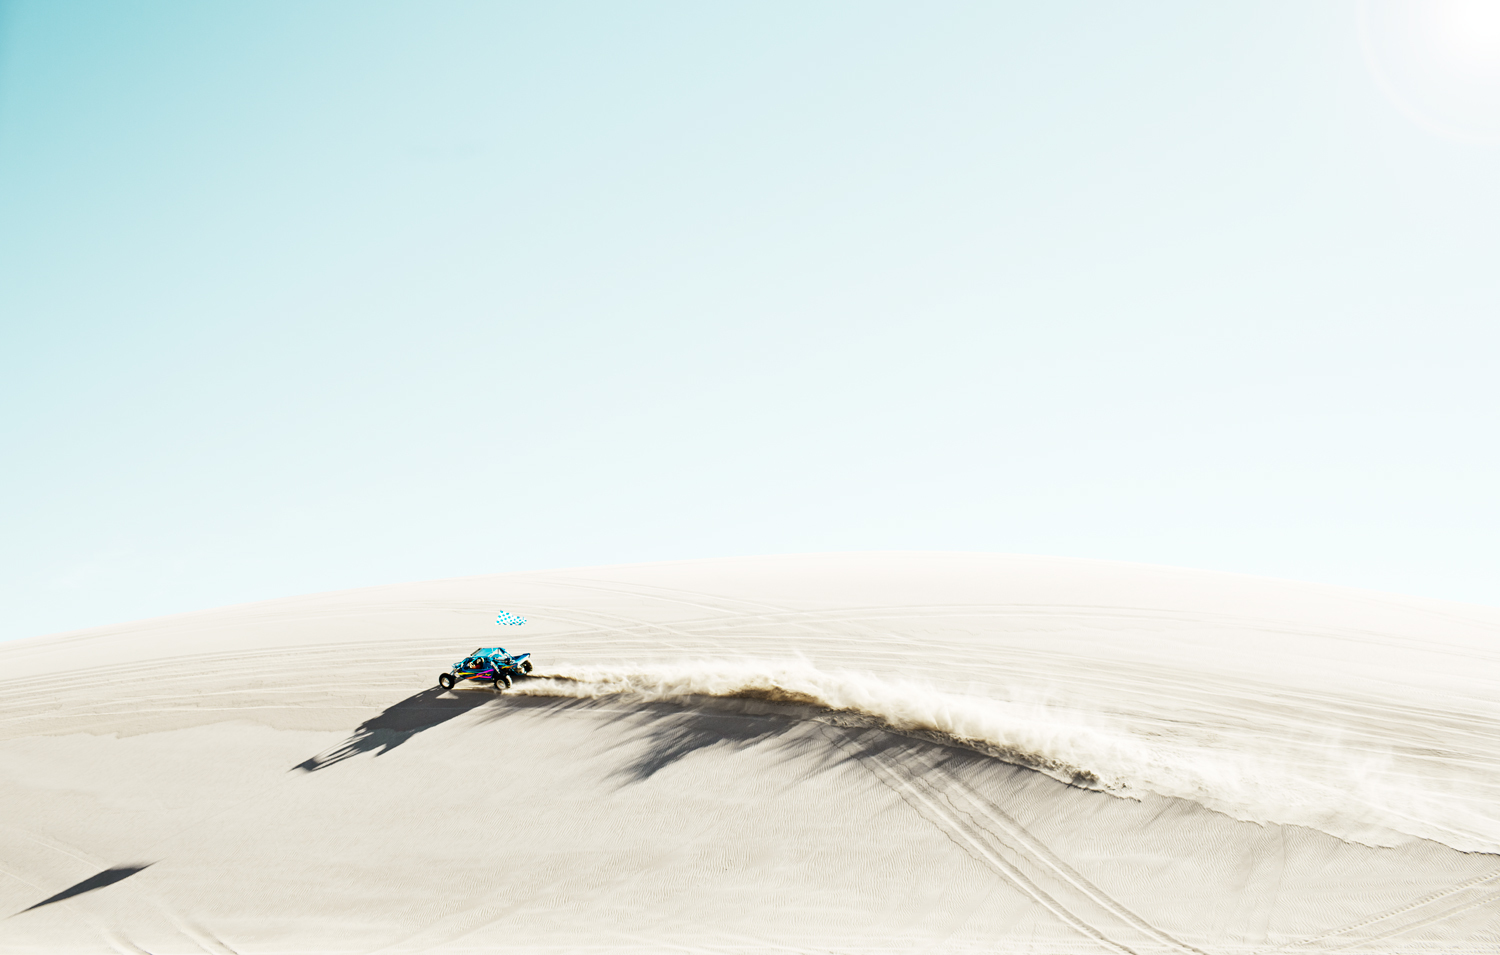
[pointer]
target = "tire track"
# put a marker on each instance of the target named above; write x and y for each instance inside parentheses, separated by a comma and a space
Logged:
(1419, 923)
(1044, 857)
(1420, 908)
(1007, 858)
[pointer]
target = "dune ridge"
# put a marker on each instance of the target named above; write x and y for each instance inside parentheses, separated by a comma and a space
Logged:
(1352, 796)
(869, 746)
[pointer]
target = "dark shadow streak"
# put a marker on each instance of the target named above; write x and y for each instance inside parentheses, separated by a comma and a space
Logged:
(675, 733)
(107, 877)
(672, 731)
(399, 723)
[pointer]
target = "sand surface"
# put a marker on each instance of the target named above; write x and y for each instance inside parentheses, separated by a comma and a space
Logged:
(832, 753)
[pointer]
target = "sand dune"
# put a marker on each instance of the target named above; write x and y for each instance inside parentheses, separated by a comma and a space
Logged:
(846, 753)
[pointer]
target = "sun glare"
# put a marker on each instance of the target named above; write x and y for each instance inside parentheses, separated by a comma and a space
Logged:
(1438, 61)
(1467, 33)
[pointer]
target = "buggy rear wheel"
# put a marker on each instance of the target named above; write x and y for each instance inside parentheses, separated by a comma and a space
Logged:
(445, 680)
(502, 682)
(526, 667)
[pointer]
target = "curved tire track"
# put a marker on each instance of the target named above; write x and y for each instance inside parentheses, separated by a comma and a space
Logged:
(993, 838)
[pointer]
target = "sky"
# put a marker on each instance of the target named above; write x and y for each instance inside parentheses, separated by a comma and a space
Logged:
(301, 297)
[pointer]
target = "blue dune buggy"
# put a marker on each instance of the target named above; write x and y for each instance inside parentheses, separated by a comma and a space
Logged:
(488, 665)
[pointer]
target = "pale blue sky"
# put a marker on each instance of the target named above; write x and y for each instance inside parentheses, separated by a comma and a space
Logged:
(299, 297)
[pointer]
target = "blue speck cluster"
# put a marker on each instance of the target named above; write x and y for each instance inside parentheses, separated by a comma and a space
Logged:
(509, 619)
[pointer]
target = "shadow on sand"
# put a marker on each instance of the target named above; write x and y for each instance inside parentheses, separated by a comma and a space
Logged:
(674, 732)
(662, 733)
(671, 731)
(668, 732)
(399, 723)
(99, 881)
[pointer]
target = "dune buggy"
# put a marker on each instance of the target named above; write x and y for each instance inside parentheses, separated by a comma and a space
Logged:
(488, 665)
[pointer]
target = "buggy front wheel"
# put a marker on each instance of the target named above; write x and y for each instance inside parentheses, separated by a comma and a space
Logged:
(445, 680)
